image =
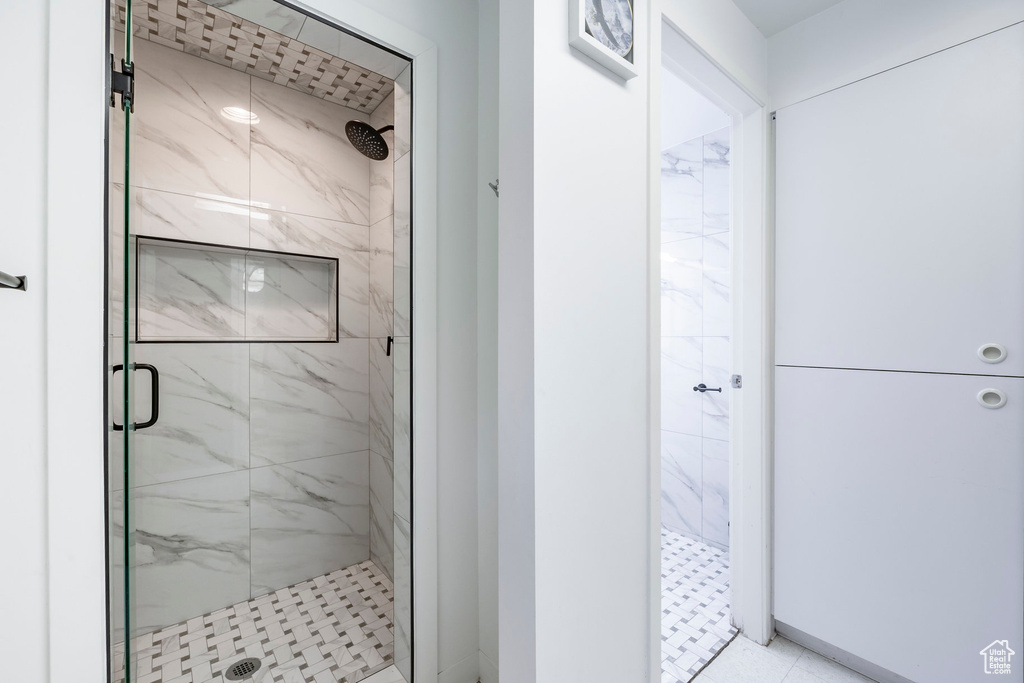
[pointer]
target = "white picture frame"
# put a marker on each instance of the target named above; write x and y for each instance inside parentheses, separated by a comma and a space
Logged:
(581, 39)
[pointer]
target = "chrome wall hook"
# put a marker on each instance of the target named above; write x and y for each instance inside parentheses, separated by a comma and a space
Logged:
(494, 186)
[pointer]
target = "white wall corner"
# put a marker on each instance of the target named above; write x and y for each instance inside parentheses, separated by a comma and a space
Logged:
(466, 670)
(488, 669)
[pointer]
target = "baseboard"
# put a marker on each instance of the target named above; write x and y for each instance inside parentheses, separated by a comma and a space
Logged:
(858, 664)
(466, 670)
(488, 669)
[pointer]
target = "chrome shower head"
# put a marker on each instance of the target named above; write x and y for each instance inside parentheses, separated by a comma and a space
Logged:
(368, 141)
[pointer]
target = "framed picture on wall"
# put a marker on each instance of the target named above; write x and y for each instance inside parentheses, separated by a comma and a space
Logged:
(604, 30)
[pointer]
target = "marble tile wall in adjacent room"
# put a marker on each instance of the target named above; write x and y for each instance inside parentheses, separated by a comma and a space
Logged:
(695, 334)
(272, 442)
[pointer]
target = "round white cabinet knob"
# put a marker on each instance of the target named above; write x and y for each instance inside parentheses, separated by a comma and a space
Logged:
(992, 398)
(992, 353)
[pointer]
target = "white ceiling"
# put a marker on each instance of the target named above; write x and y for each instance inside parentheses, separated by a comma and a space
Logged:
(772, 16)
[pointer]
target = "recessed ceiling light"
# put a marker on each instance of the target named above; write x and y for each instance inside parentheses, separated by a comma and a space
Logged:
(239, 115)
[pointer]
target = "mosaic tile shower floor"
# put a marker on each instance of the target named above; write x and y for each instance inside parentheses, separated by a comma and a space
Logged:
(694, 606)
(335, 628)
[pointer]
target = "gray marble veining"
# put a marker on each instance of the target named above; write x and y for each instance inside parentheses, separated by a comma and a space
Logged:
(681, 288)
(382, 173)
(347, 242)
(181, 142)
(382, 532)
(190, 293)
(382, 404)
(716, 359)
(302, 161)
(715, 501)
(156, 213)
(403, 212)
(288, 298)
(680, 372)
(204, 412)
(403, 597)
(308, 400)
(402, 436)
(308, 518)
(192, 533)
(696, 324)
(717, 149)
(681, 191)
(403, 247)
(316, 410)
(115, 263)
(716, 271)
(382, 278)
(681, 477)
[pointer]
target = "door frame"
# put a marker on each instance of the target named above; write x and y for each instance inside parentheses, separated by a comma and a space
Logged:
(75, 308)
(750, 483)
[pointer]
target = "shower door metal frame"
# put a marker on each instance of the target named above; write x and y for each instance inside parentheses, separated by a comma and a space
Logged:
(76, 129)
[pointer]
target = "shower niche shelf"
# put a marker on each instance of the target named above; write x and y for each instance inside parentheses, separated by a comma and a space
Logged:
(199, 292)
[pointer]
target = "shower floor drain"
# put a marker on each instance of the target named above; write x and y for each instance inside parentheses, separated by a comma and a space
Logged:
(241, 670)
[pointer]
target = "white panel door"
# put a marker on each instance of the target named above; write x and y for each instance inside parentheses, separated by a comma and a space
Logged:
(899, 517)
(900, 216)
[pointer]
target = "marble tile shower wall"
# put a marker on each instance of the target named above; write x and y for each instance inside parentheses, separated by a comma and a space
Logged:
(271, 462)
(695, 333)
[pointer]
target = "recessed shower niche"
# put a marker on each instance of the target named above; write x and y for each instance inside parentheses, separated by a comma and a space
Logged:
(191, 291)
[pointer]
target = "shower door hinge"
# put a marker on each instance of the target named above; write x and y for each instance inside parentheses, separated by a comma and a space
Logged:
(122, 83)
(736, 381)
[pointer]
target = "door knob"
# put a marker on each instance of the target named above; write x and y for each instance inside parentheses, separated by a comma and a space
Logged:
(703, 387)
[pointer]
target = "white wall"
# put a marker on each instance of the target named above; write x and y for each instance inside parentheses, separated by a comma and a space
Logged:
(590, 345)
(573, 345)
(487, 339)
(858, 38)
(590, 353)
(23, 631)
(517, 613)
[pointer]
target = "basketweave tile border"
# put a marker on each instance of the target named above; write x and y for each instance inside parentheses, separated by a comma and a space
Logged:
(210, 33)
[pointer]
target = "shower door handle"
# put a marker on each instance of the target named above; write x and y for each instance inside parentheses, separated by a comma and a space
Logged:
(155, 390)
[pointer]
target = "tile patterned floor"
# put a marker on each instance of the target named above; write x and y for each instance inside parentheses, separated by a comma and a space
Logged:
(694, 606)
(334, 628)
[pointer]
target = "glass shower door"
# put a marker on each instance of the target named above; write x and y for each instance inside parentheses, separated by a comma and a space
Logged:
(123, 370)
